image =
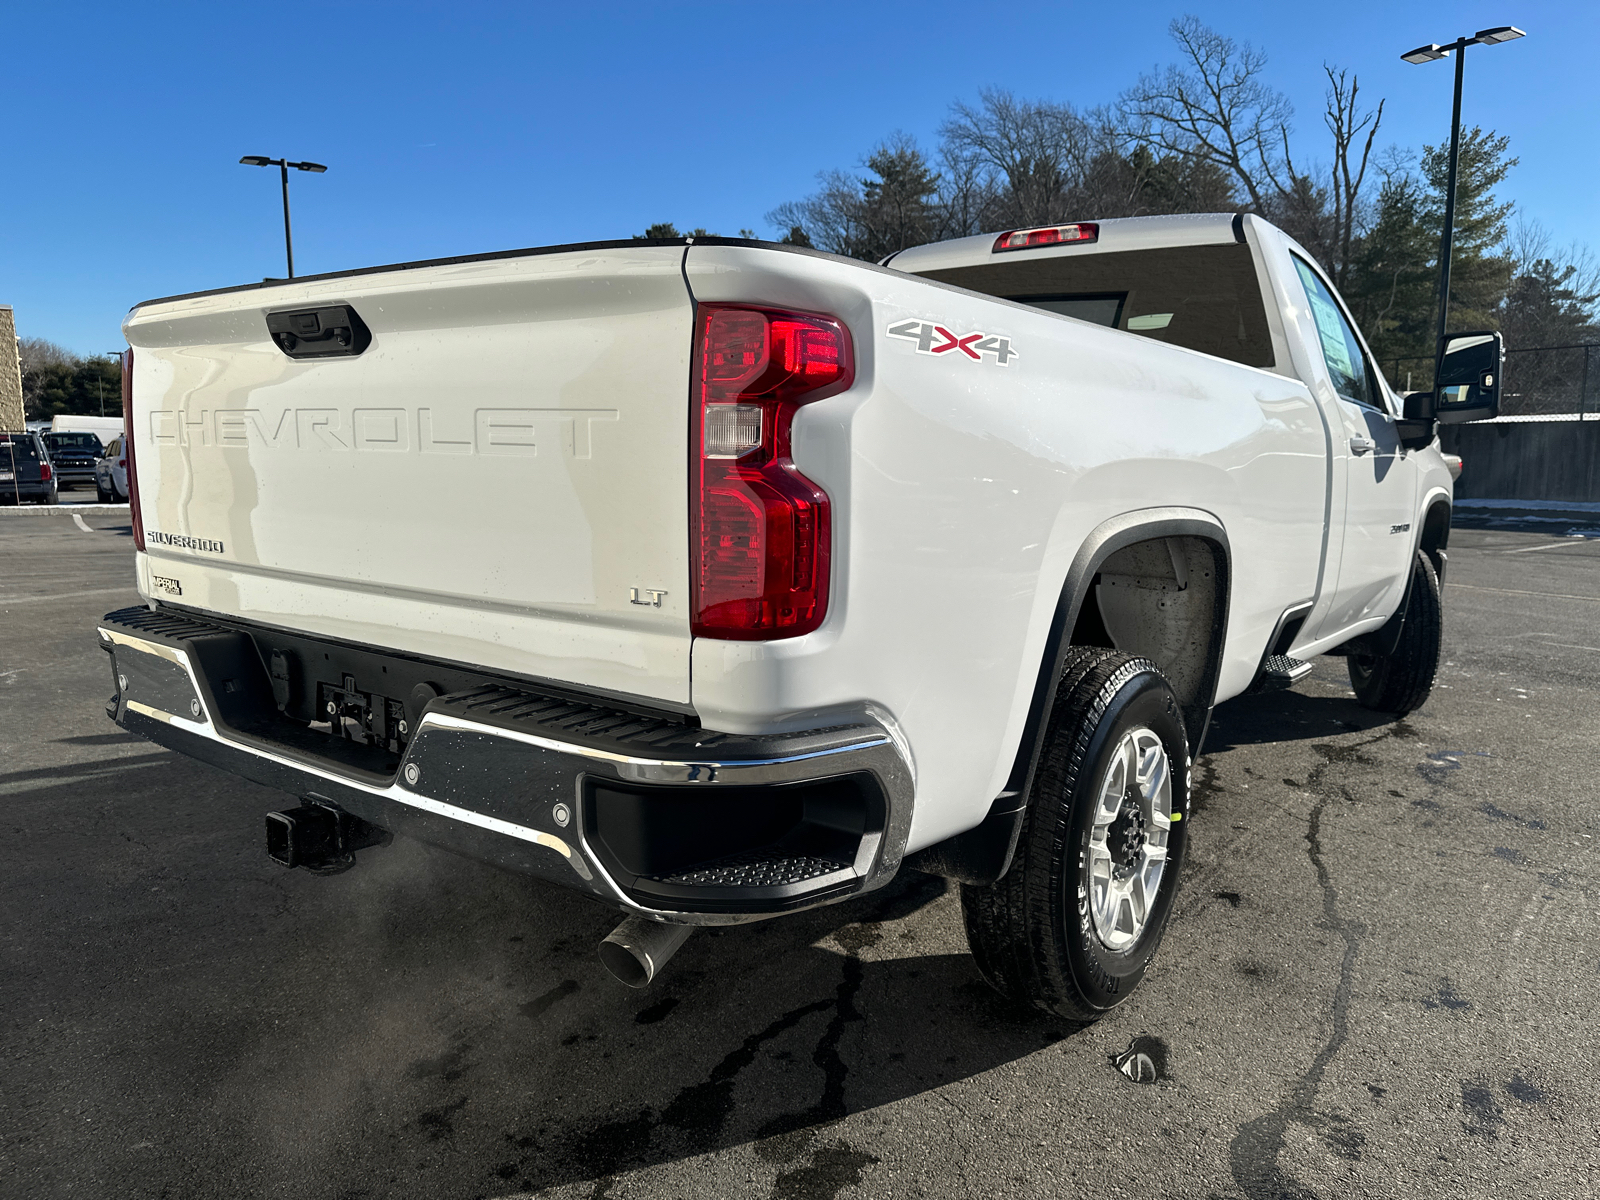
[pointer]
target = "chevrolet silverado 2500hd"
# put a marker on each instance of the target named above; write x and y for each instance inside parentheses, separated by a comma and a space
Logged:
(718, 579)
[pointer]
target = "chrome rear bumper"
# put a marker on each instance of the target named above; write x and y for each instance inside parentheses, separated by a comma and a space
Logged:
(594, 798)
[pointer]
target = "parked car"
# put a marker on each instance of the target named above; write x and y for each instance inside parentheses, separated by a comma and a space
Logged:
(73, 455)
(111, 473)
(718, 579)
(1454, 464)
(26, 472)
(105, 428)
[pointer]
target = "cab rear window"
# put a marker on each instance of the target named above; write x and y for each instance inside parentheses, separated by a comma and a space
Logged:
(1204, 298)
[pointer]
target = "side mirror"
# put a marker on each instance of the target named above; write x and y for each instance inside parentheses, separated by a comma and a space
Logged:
(1416, 426)
(1467, 382)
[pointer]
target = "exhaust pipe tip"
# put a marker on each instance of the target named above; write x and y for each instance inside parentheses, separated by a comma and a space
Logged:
(636, 950)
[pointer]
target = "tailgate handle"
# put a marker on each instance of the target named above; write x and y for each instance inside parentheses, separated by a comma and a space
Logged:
(334, 331)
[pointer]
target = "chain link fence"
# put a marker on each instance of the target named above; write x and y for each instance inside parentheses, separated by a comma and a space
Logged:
(1538, 381)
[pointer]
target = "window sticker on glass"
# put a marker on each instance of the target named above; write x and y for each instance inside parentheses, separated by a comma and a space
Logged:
(1330, 330)
(1149, 321)
(1341, 350)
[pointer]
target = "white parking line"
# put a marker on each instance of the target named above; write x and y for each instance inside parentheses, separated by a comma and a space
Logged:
(1467, 587)
(78, 521)
(1563, 645)
(7, 602)
(1544, 546)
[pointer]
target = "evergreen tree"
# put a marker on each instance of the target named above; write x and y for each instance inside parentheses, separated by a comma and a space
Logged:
(63, 384)
(666, 229)
(869, 218)
(896, 208)
(1480, 269)
(1548, 305)
(1393, 289)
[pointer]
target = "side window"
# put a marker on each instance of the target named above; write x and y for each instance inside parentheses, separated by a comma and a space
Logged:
(1341, 350)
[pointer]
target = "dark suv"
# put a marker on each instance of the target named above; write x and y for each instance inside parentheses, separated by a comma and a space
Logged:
(25, 470)
(73, 456)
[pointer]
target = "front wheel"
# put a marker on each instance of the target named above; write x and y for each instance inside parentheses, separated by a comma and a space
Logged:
(1072, 926)
(1402, 681)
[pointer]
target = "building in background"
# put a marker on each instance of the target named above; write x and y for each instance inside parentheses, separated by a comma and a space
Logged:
(11, 418)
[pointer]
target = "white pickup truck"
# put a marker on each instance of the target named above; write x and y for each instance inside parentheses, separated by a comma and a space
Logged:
(717, 579)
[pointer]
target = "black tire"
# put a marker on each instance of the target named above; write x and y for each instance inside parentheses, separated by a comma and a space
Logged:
(100, 491)
(1401, 682)
(1033, 933)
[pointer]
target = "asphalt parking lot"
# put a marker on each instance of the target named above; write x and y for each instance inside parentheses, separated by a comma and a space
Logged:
(1382, 977)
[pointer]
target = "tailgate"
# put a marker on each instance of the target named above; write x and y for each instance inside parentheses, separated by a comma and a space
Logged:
(494, 480)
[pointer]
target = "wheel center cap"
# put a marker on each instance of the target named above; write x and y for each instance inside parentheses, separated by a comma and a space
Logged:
(1126, 837)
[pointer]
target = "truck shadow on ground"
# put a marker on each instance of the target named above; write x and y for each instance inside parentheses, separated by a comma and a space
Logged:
(891, 1028)
(1288, 716)
(449, 1025)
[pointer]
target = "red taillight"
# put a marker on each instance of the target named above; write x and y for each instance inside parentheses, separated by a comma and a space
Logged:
(45, 472)
(127, 449)
(761, 528)
(1049, 235)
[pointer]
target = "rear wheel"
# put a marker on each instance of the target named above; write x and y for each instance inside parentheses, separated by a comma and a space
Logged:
(1072, 926)
(100, 491)
(1402, 681)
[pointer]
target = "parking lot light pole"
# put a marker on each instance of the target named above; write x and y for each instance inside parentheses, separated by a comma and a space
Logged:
(1432, 53)
(257, 160)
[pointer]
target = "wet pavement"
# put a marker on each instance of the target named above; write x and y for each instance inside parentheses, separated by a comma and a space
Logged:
(1381, 978)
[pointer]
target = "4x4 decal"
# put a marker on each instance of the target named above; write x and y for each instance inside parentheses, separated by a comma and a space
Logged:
(933, 338)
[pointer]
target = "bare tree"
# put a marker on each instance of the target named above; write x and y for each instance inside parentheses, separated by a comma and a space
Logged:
(1215, 108)
(37, 353)
(1346, 121)
(967, 196)
(1033, 151)
(830, 218)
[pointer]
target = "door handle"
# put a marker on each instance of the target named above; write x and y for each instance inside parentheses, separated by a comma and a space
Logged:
(1361, 445)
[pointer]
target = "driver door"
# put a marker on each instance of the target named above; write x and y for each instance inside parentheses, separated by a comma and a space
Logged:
(1374, 542)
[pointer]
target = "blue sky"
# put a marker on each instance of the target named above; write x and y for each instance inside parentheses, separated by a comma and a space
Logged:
(454, 129)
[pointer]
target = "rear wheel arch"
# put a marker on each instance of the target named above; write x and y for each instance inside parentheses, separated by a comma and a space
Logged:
(1124, 540)
(983, 854)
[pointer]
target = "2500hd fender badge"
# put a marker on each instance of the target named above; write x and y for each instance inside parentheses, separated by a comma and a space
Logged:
(179, 541)
(933, 338)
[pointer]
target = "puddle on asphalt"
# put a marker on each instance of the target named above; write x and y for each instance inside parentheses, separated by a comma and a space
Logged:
(1144, 1061)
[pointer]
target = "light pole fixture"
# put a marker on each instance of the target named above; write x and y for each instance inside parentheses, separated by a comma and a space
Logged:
(257, 160)
(1431, 53)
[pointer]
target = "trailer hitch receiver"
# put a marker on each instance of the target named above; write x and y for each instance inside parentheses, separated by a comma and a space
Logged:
(317, 834)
